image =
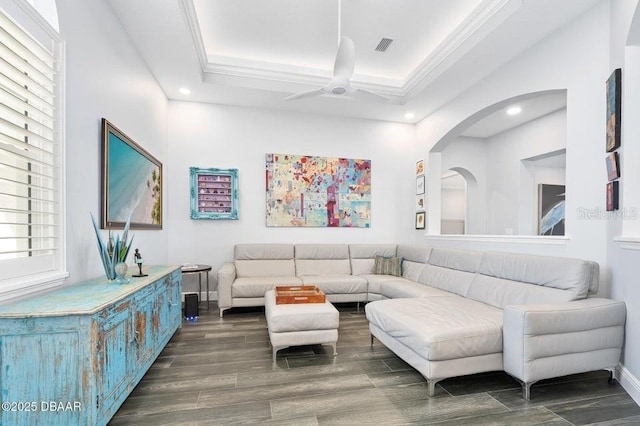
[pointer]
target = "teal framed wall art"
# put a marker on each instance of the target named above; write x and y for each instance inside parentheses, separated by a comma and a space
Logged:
(214, 193)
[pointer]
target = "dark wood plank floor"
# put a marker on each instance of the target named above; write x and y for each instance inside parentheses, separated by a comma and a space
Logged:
(219, 372)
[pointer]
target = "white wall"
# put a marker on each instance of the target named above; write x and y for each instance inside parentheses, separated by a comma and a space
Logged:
(204, 135)
(624, 225)
(105, 78)
(506, 185)
(578, 58)
(574, 58)
(468, 156)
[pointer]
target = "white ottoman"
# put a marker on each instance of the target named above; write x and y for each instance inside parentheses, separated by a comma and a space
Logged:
(300, 324)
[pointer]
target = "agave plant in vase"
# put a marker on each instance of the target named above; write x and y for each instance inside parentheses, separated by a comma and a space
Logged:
(114, 253)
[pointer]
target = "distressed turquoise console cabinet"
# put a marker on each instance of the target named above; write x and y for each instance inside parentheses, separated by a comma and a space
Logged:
(73, 355)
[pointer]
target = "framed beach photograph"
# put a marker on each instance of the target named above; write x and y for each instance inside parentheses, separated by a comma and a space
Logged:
(131, 182)
(420, 203)
(613, 166)
(420, 168)
(420, 220)
(420, 185)
(614, 109)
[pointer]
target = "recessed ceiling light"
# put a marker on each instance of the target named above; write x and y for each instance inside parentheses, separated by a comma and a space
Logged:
(184, 91)
(514, 110)
(409, 115)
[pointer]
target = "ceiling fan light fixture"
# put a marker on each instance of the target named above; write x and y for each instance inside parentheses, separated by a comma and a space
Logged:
(338, 90)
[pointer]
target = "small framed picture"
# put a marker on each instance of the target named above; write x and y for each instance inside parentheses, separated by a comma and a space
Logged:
(420, 203)
(420, 185)
(420, 168)
(614, 109)
(613, 166)
(612, 196)
(420, 219)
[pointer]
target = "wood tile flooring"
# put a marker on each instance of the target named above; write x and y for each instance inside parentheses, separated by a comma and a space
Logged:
(219, 372)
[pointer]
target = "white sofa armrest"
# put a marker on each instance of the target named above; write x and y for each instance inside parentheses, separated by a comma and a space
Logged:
(551, 340)
(226, 277)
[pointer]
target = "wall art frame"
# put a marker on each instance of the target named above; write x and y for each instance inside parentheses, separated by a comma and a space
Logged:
(214, 193)
(421, 218)
(551, 209)
(419, 167)
(614, 109)
(313, 191)
(613, 196)
(613, 166)
(132, 182)
(420, 185)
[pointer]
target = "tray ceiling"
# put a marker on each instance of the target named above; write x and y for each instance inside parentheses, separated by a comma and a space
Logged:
(257, 52)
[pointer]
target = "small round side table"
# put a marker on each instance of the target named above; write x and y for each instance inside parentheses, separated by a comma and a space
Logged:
(198, 269)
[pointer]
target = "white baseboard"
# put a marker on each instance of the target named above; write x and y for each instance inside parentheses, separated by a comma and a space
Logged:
(629, 382)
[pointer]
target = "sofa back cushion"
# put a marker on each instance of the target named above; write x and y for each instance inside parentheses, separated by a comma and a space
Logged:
(363, 256)
(451, 270)
(322, 259)
(414, 259)
(264, 260)
(514, 279)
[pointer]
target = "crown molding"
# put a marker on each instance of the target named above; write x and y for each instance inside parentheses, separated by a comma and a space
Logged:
(484, 19)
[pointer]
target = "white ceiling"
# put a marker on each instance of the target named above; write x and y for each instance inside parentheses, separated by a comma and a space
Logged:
(531, 109)
(257, 52)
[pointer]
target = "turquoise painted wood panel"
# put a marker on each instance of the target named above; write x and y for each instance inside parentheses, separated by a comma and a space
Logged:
(112, 344)
(30, 364)
(74, 354)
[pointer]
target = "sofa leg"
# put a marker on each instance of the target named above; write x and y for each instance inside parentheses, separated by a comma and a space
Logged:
(432, 386)
(222, 311)
(526, 390)
(372, 340)
(612, 376)
(358, 307)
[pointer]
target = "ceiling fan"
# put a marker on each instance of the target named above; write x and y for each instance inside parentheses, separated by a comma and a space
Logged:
(340, 84)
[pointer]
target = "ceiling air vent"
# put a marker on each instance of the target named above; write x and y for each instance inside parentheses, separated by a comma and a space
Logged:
(384, 45)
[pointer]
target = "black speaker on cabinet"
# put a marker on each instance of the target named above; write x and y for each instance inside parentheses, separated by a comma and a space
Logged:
(191, 306)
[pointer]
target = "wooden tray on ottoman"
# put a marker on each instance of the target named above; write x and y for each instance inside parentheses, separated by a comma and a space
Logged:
(299, 294)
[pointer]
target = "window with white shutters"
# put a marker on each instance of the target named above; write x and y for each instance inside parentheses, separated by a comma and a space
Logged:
(31, 207)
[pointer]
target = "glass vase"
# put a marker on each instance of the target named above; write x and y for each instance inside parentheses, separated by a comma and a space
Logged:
(121, 271)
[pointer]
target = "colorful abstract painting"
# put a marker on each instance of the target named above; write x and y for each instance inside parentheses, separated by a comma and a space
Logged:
(316, 191)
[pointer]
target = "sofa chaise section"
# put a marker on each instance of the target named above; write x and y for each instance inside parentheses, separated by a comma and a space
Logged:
(536, 304)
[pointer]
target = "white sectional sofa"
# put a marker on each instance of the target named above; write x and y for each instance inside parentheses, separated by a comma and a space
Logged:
(451, 312)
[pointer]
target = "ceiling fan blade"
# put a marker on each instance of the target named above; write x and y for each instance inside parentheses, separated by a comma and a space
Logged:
(366, 96)
(345, 59)
(307, 94)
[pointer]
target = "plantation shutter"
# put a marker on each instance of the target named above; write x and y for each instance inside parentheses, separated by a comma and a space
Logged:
(29, 153)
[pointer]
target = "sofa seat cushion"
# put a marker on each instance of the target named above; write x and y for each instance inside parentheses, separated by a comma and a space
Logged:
(396, 289)
(258, 286)
(375, 281)
(337, 284)
(441, 328)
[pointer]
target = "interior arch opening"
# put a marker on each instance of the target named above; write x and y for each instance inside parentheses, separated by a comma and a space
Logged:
(515, 151)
